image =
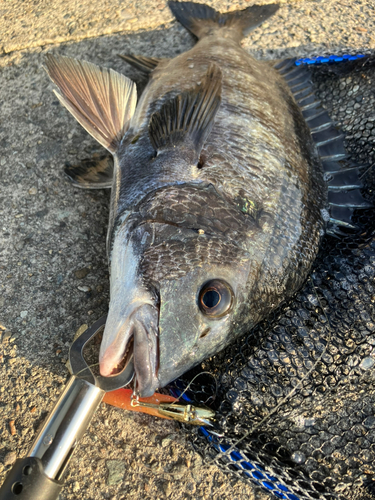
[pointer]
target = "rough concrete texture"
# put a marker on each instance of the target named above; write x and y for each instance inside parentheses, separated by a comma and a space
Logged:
(305, 26)
(53, 272)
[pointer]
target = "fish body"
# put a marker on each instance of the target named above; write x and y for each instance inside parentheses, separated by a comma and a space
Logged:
(295, 397)
(252, 208)
(218, 201)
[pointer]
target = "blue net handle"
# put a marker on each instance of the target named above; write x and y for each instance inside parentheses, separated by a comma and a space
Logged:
(328, 59)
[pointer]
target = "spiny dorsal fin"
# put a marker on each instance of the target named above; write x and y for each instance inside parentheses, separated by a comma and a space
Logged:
(100, 99)
(142, 63)
(343, 178)
(201, 19)
(189, 116)
(92, 173)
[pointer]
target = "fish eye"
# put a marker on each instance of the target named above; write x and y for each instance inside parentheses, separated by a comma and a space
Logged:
(215, 298)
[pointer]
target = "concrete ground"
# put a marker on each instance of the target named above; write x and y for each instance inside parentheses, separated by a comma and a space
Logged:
(53, 273)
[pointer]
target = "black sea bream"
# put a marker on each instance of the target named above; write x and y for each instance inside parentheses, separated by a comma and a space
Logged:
(219, 201)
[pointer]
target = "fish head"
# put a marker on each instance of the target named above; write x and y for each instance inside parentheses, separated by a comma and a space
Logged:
(179, 289)
(200, 313)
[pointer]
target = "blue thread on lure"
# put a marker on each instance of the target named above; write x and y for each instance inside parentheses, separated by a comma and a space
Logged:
(328, 59)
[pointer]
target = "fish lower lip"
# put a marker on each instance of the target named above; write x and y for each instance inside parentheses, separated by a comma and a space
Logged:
(135, 338)
(145, 357)
(127, 356)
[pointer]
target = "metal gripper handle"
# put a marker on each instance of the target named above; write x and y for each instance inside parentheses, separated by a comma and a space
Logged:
(39, 475)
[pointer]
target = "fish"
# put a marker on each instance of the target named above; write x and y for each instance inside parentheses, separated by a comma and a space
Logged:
(226, 175)
(294, 398)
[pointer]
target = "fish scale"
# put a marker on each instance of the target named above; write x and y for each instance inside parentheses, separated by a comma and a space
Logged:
(320, 442)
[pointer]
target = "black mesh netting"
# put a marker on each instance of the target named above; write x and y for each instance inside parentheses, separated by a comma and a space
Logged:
(296, 397)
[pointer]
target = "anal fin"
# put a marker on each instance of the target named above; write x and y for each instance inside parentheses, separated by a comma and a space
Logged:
(92, 173)
(142, 63)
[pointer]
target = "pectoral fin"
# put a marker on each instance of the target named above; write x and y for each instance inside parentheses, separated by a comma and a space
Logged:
(100, 99)
(188, 119)
(92, 173)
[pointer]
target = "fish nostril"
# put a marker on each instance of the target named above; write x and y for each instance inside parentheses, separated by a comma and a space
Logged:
(205, 333)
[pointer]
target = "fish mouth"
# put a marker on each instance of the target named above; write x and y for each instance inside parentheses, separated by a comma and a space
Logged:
(126, 358)
(135, 336)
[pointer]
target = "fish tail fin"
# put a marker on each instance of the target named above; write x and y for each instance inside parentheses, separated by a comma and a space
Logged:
(201, 19)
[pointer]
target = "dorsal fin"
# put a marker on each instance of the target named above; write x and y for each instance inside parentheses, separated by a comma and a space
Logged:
(344, 179)
(142, 63)
(189, 117)
(100, 99)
